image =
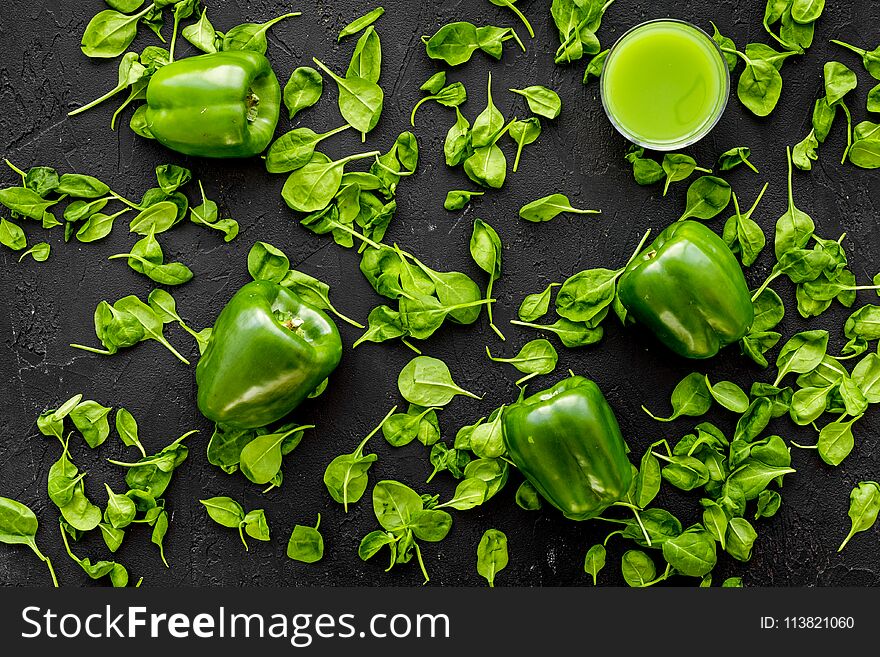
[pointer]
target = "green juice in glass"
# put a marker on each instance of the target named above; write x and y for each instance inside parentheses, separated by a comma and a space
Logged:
(665, 84)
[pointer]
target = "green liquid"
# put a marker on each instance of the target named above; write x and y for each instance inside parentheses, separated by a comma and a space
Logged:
(665, 84)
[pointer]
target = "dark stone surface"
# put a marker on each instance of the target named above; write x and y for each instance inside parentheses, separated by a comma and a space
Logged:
(44, 75)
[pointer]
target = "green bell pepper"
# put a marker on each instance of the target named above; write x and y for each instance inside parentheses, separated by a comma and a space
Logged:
(688, 289)
(268, 351)
(567, 443)
(223, 104)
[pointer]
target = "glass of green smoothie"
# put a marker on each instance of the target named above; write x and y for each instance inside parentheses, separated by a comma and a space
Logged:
(665, 84)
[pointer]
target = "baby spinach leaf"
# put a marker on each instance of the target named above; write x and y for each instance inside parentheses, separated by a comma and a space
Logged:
(836, 441)
(346, 476)
(427, 382)
(306, 543)
(535, 306)
(871, 59)
(488, 124)
(260, 460)
(734, 157)
(303, 90)
(360, 101)
(541, 100)
(676, 167)
(594, 562)
(224, 511)
(802, 353)
(637, 568)
(90, 419)
(492, 554)
(549, 207)
(760, 84)
(707, 197)
(528, 498)
(202, 34)
(110, 32)
(839, 81)
(18, 526)
(692, 553)
(863, 510)
(360, 23)
(12, 236)
(596, 66)
(452, 96)
(524, 133)
(795, 227)
(571, 334)
(486, 249)
(535, 358)
(366, 60)
(313, 186)
(729, 395)
(39, 252)
(252, 36)
(691, 397)
(457, 199)
(741, 537)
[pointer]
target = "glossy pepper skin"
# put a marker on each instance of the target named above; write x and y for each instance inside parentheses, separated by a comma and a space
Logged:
(567, 443)
(689, 290)
(267, 352)
(220, 105)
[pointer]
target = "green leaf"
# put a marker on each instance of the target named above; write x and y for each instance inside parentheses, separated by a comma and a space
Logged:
(594, 562)
(306, 543)
(863, 510)
(492, 554)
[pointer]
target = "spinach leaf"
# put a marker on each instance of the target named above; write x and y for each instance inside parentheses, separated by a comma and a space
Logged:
(528, 498)
(485, 249)
(110, 32)
(427, 382)
(741, 537)
(457, 199)
(346, 475)
(452, 96)
(360, 101)
(594, 562)
(313, 186)
(366, 60)
(535, 306)
(549, 207)
(676, 167)
(839, 81)
(692, 553)
(18, 526)
(12, 236)
(863, 509)
(691, 397)
(252, 36)
(535, 358)
(524, 133)
(492, 554)
(795, 227)
(541, 100)
(637, 568)
(571, 334)
(306, 543)
(360, 23)
(871, 59)
(707, 197)
(760, 84)
(734, 157)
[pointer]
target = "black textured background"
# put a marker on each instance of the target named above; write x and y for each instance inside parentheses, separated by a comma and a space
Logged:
(43, 75)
